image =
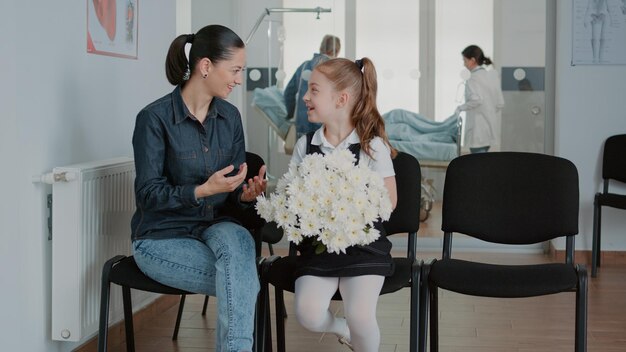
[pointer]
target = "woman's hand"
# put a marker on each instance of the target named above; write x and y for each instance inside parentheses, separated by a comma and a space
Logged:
(255, 186)
(220, 183)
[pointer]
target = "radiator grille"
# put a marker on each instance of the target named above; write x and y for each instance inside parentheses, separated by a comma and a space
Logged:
(90, 224)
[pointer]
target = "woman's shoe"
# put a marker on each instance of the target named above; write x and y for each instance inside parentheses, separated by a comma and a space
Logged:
(344, 341)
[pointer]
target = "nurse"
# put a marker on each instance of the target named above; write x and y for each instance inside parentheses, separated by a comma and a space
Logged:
(483, 101)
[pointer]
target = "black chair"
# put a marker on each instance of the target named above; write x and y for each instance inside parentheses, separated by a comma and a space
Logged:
(404, 219)
(613, 168)
(514, 199)
(123, 271)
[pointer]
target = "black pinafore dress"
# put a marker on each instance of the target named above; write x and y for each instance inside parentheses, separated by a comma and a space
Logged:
(371, 259)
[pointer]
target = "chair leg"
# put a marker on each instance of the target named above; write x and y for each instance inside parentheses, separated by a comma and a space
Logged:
(206, 303)
(581, 310)
(434, 319)
(280, 322)
(423, 308)
(596, 248)
(257, 336)
(104, 316)
(415, 306)
(105, 292)
(181, 305)
(128, 319)
(263, 338)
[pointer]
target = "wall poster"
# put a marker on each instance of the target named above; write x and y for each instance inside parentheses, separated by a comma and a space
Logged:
(599, 32)
(112, 28)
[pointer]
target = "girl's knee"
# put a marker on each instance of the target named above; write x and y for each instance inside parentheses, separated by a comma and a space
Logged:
(311, 318)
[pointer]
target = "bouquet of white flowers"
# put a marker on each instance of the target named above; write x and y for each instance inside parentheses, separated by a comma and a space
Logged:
(328, 198)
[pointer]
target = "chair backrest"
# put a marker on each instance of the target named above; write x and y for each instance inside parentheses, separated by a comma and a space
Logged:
(248, 217)
(511, 197)
(254, 162)
(405, 217)
(614, 158)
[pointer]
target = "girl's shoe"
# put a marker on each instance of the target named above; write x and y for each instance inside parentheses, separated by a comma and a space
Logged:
(344, 341)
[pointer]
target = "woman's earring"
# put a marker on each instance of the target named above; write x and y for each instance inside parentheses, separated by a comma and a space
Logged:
(204, 75)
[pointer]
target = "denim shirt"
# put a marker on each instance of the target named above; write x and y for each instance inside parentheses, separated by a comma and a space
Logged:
(295, 91)
(174, 153)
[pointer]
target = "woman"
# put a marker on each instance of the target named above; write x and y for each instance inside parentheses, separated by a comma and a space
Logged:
(483, 102)
(342, 97)
(190, 162)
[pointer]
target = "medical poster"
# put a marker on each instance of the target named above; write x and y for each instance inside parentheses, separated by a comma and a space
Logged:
(112, 28)
(599, 32)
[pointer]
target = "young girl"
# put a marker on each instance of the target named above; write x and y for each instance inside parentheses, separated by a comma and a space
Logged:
(342, 96)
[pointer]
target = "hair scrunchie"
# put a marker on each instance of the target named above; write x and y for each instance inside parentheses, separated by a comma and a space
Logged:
(190, 38)
(359, 63)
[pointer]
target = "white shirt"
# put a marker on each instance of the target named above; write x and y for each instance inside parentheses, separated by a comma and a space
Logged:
(483, 106)
(380, 161)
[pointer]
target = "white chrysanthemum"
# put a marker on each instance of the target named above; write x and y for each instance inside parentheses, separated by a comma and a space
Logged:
(264, 207)
(359, 201)
(370, 215)
(341, 209)
(370, 235)
(385, 208)
(337, 244)
(285, 218)
(325, 236)
(293, 235)
(309, 227)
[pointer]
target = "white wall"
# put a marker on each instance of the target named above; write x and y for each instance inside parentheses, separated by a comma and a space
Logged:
(59, 105)
(11, 274)
(590, 106)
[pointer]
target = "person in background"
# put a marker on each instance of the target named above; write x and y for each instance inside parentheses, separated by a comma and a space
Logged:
(342, 97)
(190, 162)
(298, 85)
(483, 101)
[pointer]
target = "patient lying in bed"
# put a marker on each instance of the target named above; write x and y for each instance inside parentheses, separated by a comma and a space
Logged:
(423, 138)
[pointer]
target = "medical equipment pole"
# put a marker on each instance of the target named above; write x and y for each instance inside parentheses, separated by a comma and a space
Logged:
(267, 12)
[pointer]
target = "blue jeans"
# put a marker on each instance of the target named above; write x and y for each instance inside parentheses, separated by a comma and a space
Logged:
(479, 149)
(221, 263)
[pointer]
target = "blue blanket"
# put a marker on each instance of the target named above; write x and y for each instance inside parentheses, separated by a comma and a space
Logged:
(271, 102)
(423, 138)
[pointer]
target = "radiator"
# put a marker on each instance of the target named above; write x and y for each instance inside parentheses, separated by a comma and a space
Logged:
(92, 204)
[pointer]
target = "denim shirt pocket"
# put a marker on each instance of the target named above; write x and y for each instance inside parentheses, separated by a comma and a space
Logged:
(184, 165)
(222, 157)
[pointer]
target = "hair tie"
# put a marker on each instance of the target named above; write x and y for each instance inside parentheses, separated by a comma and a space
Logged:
(190, 38)
(359, 63)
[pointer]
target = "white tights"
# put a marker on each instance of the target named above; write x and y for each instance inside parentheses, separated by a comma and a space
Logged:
(360, 296)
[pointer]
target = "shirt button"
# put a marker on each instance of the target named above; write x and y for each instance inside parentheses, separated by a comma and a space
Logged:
(205, 149)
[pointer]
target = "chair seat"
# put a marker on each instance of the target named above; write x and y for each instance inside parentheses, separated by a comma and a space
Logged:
(127, 273)
(504, 281)
(286, 282)
(611, 200)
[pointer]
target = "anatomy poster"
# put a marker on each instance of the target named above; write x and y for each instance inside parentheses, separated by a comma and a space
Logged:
(599, 32)
(112, 28)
